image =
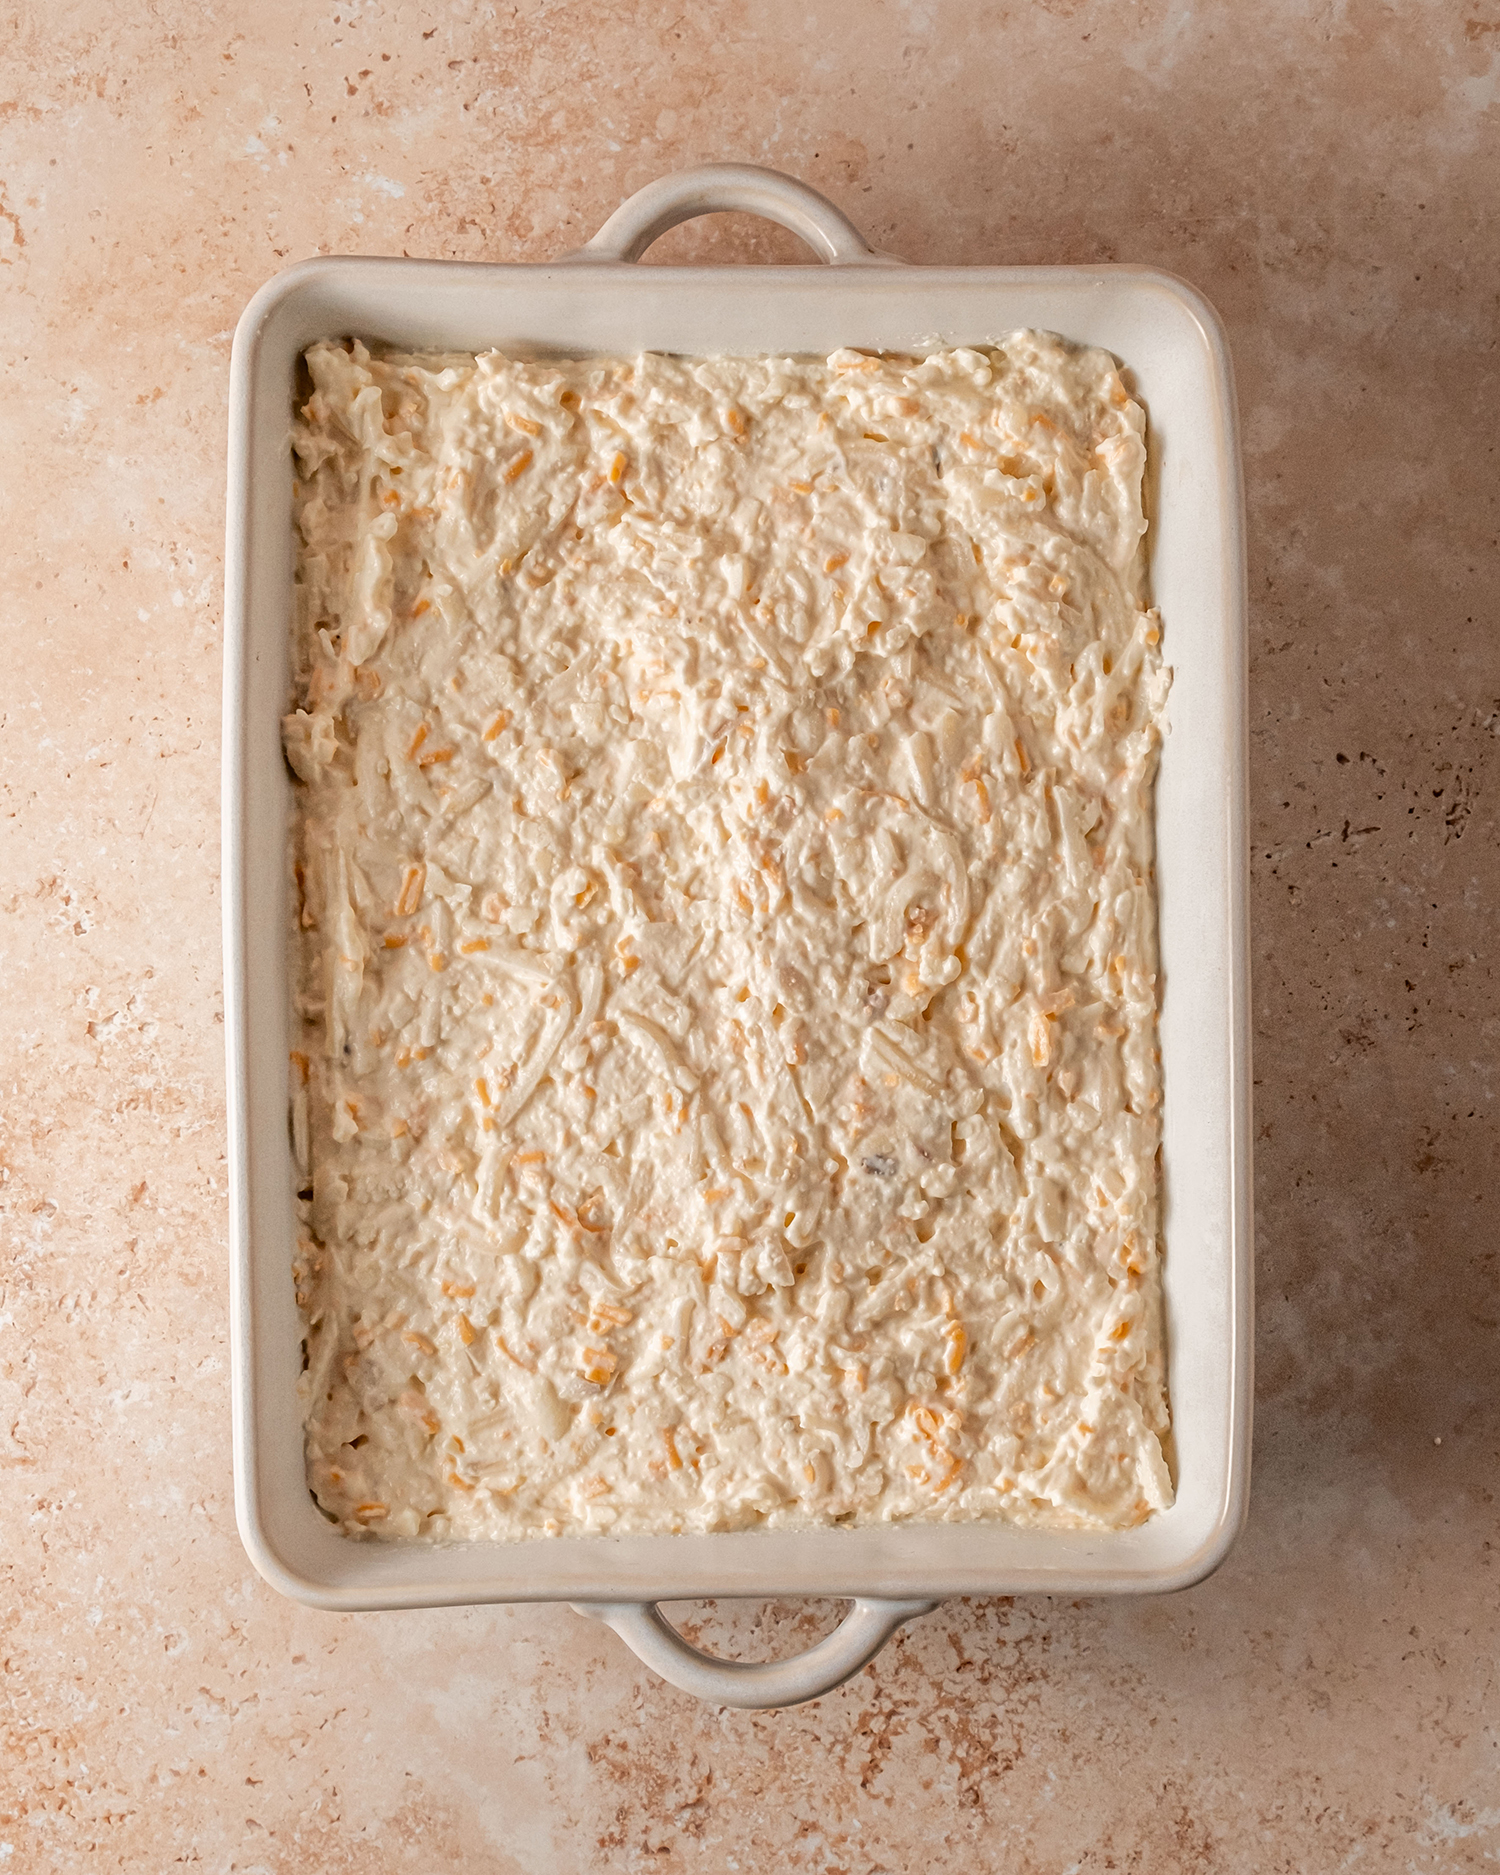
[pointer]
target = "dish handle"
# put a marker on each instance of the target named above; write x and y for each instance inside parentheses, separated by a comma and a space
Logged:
(756, 1686)
(715, 189)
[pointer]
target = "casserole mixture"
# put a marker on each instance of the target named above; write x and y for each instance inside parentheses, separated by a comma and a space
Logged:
(726, 1091)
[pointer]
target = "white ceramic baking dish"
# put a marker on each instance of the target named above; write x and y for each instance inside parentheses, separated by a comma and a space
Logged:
(596, 301)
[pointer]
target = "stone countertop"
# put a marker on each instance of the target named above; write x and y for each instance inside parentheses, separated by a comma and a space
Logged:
(1327, 176)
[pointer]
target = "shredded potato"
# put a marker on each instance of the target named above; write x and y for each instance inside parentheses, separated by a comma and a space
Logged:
(726, 943)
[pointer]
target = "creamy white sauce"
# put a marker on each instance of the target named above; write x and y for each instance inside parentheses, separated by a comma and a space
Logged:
(729, 1087)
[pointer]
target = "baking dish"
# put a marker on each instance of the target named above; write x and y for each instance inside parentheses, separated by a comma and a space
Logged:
(598, 301)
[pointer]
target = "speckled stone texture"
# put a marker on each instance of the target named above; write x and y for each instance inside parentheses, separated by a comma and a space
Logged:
(1327, 175)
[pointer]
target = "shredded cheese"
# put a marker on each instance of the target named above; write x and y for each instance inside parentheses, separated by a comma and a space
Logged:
(768, 747)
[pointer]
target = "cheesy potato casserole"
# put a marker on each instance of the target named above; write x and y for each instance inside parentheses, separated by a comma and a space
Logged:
(726, 1088)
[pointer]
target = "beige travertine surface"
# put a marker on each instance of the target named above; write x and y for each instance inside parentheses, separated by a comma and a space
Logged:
(1326, 175)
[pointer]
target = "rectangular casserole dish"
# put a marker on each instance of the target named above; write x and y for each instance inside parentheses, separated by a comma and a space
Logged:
(598, 302)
